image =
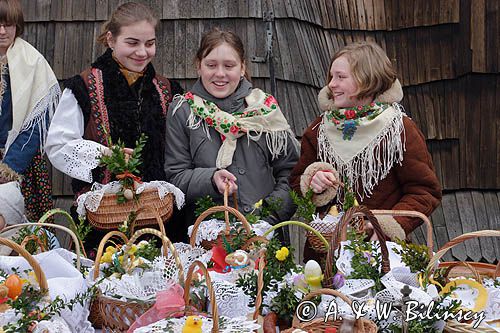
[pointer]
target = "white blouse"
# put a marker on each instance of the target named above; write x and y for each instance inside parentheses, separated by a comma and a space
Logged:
(65, 146)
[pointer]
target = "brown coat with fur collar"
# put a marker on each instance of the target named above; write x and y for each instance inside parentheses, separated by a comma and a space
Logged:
(413, 185)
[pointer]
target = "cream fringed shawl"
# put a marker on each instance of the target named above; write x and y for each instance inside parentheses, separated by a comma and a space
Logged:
(34, 88)
(375, 147)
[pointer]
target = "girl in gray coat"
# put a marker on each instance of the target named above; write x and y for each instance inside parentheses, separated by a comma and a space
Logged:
(224, 131)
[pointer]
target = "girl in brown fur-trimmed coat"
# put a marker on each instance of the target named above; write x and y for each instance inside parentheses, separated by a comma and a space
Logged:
(364, 138)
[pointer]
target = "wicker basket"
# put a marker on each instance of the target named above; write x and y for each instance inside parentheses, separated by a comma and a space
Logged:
(319, 325)
(39, 274)
(42, 223)
(227, 231)
(119, 315)
(468, 269)
(110, 214)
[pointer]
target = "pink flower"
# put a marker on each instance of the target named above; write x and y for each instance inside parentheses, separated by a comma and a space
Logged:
(372, 104)
(270, 100)
(360, 108)
(209, 121)
(234, 129)
(189, 95)
(350, 114)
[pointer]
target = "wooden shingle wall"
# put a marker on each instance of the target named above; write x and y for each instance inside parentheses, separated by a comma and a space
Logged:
(445, 51)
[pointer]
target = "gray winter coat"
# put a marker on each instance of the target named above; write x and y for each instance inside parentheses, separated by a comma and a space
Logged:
(190, 161)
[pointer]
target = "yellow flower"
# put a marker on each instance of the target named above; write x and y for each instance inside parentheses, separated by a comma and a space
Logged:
(111, 249)
(282, 253)
(106, 257)
(258, 204)
(132, 250)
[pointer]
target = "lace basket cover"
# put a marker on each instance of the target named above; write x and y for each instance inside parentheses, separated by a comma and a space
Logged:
(163, 272)
(63, 279)
(210, 229)
(92, 199)
(55, 325)
(226, 325)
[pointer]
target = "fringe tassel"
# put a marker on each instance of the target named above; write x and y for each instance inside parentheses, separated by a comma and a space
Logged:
(40, 116)
(374, 162)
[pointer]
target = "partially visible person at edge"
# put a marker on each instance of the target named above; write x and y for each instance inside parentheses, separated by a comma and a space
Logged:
(224, 131)
(29, 93)
(128, 98)
(364, 138)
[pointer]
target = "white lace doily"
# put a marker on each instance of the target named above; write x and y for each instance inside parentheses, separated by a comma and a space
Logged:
(209, 229)
(55, 325)
(188, 254)
(92, 199)
(142, 285)
(345, 257)
(231, 300)
(492, 310)
(228, 325)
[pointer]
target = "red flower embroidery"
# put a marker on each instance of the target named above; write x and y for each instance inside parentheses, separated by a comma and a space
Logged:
(360, 108)
(209, 121)
(234, 129)
(350, 114)
(270, 100)
(189, 95)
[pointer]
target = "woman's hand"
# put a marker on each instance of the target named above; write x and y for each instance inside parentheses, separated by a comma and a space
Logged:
(223, 177)
(322, 180)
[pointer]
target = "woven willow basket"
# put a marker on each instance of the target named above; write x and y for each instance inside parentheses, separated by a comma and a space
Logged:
(118, 315)
(110, 214)
(468, 269)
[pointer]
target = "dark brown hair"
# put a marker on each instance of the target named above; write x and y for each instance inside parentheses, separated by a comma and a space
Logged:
(125, 15)
(11, 12)
(371, 68)
(215, 37)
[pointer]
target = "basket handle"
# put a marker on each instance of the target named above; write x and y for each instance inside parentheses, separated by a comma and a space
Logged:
(36, 239)
(217, 209)
(155, 213)
(411, 213)
(319, 292)
(211, 292)
(340, 234)
(42, 223)
(167, 245)
(300, 224)
(457, 240)
(40, 275)
(100, 249)
(226, 204)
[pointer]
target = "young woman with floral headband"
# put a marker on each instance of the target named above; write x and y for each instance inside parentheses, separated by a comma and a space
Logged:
(364, 139)
(226, 132)
(29, 93)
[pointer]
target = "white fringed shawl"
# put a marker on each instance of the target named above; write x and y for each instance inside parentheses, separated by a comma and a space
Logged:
(374, 149)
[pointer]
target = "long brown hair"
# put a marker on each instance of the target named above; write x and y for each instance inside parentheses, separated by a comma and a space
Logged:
(371, 68)
(215, 37)
(125, 15)
(11, 12)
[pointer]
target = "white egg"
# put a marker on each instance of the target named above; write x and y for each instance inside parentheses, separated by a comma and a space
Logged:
(312, 268)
